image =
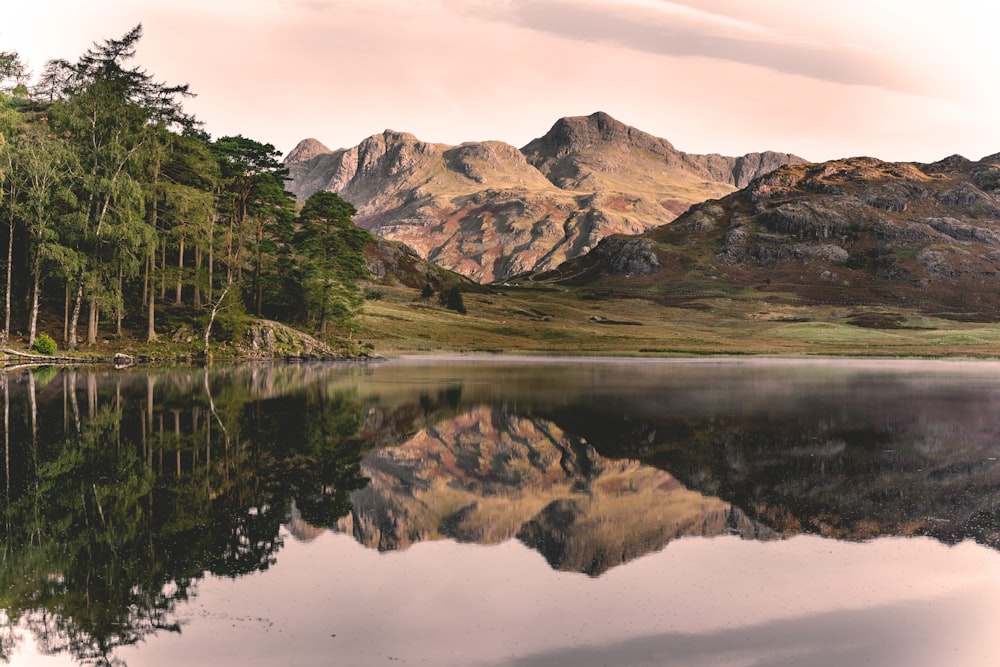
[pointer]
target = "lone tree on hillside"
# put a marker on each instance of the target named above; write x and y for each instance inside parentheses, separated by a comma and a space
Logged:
(452, 300)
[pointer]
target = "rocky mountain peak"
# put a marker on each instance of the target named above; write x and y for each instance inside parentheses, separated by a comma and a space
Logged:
(392, 138)
(951, 163)
(390, 153)
(598, 131)
(306, 150)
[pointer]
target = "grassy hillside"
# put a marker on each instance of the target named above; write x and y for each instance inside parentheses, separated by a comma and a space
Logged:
(540, 319)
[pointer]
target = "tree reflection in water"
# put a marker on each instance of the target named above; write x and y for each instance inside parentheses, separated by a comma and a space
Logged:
(122, 491)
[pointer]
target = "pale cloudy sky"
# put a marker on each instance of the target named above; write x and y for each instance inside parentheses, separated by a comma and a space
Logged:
(895, 79)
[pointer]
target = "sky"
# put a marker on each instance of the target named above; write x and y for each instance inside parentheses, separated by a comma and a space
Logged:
(906, 80)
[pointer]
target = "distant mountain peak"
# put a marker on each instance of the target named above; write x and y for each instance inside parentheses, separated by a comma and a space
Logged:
(306, 150)
(392, 137)
(598, 131)
(578, 148)
(954, 162)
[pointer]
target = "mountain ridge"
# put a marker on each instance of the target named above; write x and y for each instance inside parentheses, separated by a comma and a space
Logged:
(857, 231)
(577, 134)
(490, 211)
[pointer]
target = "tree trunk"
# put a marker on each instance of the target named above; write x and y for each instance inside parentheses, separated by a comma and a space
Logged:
(163, 269)
(148, 282)
(197, 273)
(77, 302)
(180, 272)
(229, 251)
(92, 323)
(150, 277)
(258, 289)
(10, 261)
(66, 315)
(120, 305)
(211, 270)
(150, 303)
(33, 324)
(211, 319)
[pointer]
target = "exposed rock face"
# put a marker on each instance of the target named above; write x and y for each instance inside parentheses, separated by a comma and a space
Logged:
(393, 262)
(628, 255)
(855, 232)
(491, 211)
(576, 151)
(265, 339)
(489, 476)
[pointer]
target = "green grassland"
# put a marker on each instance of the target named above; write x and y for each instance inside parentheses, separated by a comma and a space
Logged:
(553, 319)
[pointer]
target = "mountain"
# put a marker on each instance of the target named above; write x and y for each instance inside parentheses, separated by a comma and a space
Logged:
(853, 232)
(490, 211)
(598, 152)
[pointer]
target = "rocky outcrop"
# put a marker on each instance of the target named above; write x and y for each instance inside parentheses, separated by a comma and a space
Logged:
(395, 263)
(490, 211)
(855, 232)
(266, 339)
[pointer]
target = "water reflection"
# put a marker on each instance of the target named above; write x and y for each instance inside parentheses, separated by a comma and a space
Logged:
(488, 475)
(121, 491)
(124, 492)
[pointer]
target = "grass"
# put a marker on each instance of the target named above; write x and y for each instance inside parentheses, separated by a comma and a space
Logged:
(545, 320)
(635, 320)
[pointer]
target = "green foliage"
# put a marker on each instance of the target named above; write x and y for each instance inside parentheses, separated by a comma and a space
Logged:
(452, 300)
(427, 292)
(373, 294)
(111, 115)
(13, 73)
(114, 201)
(44, 344)
(332, 250)
(259, 211)
(232, 319)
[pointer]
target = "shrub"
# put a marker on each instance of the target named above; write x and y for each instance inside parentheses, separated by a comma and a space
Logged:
(44, 344)
(452, 300)
(372, 294)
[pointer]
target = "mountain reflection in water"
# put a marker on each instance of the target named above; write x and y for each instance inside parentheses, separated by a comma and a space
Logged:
(488, 475)
(123, 491)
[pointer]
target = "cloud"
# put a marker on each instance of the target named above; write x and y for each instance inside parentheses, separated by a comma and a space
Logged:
(666, 28)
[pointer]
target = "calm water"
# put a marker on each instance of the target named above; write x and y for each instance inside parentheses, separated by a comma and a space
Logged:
(503, 512)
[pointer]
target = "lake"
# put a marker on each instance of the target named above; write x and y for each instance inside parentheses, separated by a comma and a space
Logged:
(503, 511)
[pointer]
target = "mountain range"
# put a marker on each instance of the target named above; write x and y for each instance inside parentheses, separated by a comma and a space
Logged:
(852, 232)
(491, 211)
(599, 204)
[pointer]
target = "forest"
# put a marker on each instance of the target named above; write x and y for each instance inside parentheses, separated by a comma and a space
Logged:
(121, 218)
